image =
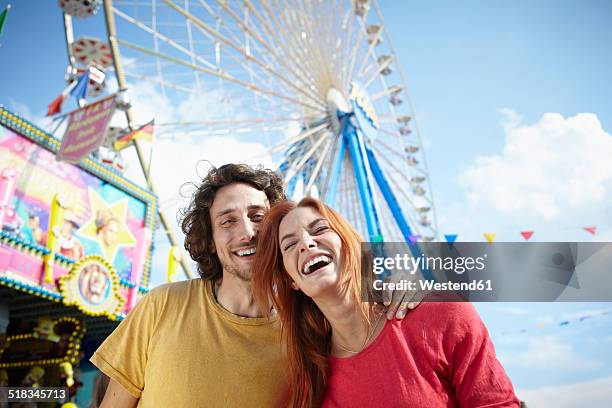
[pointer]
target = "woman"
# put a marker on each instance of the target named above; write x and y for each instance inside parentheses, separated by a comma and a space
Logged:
(342, 352)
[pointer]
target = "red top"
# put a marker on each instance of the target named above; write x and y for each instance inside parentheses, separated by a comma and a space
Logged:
(439, 355)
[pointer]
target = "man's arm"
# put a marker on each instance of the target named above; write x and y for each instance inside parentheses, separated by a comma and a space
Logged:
(117, 396)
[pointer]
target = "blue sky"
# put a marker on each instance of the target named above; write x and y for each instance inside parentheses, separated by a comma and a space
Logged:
(483, 76)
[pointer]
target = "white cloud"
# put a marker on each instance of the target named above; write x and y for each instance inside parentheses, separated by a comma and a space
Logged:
(547, 353)
(595, 393)
(546, 169)
(38, 118)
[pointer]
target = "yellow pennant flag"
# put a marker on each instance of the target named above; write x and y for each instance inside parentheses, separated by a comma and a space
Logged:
(490, 236)
(144, 132)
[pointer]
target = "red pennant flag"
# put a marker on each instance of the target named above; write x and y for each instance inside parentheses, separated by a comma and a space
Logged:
(526, 234)
(591, 230)
(55, 106)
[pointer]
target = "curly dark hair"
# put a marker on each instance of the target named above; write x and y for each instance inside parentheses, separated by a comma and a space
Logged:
(196, 222)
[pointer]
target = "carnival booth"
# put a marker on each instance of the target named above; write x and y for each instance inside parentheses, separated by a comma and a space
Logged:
(75, 256)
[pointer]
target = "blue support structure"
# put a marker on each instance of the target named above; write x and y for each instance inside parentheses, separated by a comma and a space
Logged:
(395, 208)
(389, 196)
(365, 192)
(330, 196)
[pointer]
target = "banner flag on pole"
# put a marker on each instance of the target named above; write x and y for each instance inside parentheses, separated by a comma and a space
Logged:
(144, 132)
(3, 17)
(450, 238)
(413, 238)
(85, 130)
(55, 107)
(80, 89)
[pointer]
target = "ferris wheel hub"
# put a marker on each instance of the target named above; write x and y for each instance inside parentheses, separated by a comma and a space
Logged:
(336, 105)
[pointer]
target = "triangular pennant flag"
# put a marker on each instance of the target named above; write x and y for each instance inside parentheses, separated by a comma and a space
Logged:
(526, 234)
(3, 17)
(413, 238)
(490, 236)
(55, 106)
(144, 132)
(450, 238)
(80, 89)
(591, 230)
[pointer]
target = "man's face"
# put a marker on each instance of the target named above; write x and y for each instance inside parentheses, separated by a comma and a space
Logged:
(235, 214)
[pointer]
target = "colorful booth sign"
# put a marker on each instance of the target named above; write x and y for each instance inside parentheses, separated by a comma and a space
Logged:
(54, 214)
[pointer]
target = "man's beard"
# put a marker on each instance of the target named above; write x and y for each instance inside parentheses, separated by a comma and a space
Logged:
(233, 270)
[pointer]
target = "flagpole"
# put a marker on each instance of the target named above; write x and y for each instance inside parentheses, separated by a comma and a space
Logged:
(109, 18)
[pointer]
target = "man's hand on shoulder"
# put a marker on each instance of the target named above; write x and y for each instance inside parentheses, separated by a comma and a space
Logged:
(400, 301)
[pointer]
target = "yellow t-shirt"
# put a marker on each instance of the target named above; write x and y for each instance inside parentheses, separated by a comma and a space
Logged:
(179, 348)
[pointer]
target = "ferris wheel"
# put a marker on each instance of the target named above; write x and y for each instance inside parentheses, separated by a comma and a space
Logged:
(317, 81)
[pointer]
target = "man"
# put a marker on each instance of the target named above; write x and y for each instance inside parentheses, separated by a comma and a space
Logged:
(203, 342)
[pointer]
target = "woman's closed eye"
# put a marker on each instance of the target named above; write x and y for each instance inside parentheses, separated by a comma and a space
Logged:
(288, 245)
(321, 229)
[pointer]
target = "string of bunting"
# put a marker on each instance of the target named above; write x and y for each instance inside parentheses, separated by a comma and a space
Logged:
(563, 323)
(490, 236)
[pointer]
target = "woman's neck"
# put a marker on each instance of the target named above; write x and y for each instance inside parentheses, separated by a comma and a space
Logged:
(351, 331)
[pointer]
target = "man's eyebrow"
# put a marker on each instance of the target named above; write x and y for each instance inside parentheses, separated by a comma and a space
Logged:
(249, 208)
(312, 224)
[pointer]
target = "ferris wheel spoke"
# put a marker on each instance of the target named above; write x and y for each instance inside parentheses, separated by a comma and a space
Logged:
(413, 224)
(370, 52)
(218, 132)
(391, 150)
(156, 35)
(385, 64)
(213, 122)
(261, 41)
(412, 169)
(156, 43)
(314, 32)
(297, 35)
(323, 157)
(301, 136)
(229, 43)
(396, 170)
(224, 76)
(357, 48)
(158, 81)
(287, 52)
(385, 92)
(346, 34)
(192, 48)
(295, 168)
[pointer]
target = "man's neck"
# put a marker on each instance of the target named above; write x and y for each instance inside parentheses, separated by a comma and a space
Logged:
(236, 296)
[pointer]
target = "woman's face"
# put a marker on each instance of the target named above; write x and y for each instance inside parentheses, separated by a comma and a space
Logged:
(311, 251)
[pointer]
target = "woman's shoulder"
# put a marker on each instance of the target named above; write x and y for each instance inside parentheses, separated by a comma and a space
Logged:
(438, 312)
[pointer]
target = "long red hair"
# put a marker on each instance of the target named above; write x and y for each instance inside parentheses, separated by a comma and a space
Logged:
(304, 328)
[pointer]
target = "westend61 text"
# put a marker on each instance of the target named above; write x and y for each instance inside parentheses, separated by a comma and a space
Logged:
(431, 285)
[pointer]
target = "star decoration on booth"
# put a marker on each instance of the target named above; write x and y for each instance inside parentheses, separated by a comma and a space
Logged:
(107, 225)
